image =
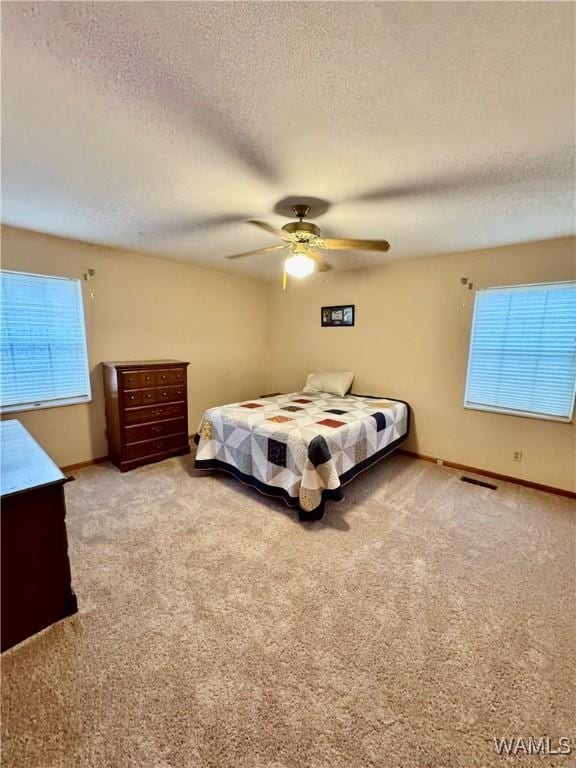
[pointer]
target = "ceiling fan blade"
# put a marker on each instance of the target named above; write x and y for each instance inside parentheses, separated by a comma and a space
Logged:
(321, 265)
(182, 228)
(260, 250)
(273, 230)
(513, 169)
(340, 244)
(397, 192)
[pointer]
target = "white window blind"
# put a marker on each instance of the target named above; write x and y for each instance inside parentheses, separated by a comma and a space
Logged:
(522, 357)
(42, 342)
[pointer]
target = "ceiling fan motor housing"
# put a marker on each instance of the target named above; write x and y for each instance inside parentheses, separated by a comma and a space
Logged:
(303, 231)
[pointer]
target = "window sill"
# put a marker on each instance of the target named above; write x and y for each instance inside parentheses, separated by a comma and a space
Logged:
(39, 406)
(525, 414)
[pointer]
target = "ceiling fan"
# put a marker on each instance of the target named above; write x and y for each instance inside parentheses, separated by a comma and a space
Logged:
(301, 242)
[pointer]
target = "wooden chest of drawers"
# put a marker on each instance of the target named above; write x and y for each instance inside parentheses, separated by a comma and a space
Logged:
(146, 411)
(35, 570)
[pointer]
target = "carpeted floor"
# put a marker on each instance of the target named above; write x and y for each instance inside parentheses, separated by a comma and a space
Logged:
(419, 620)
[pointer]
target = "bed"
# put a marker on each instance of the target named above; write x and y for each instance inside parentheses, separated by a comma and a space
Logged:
(301, 447)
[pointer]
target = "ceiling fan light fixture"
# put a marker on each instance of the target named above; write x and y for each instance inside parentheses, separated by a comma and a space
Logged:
(299, 265)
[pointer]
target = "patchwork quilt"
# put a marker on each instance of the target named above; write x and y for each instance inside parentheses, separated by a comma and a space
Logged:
(301, 447)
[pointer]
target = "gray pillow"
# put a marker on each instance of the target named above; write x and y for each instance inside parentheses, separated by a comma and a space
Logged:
(334, 382)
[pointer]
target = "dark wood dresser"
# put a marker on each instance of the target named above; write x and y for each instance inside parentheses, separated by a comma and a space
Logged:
(35, 577)
(146, 411)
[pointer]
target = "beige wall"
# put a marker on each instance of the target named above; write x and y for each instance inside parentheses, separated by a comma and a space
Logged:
(411, 341)
(244, 336)
(147, 308)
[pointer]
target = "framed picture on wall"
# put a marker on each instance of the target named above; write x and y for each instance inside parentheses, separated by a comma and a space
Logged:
(341, 315)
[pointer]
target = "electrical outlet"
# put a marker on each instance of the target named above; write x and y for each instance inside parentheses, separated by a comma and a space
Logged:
(517, 456)
(440, 462)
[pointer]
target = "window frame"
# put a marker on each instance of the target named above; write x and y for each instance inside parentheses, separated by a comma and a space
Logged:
(38, 405)
(509, 411)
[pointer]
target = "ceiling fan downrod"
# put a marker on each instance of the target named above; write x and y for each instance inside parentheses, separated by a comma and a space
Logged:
(300, 211)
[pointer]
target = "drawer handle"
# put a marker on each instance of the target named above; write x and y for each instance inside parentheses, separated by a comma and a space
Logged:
(132, 397)
(157, 445)
(158, 411)
(163, 377)
(156, 429)
(148, 378)
(164, 394)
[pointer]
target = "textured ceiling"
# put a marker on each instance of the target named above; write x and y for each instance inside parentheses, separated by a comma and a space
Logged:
(161, 126)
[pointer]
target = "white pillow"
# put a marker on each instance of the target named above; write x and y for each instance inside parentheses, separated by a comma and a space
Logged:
(335, 382)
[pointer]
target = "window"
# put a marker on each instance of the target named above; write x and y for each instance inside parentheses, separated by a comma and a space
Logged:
(42, 342)
(522, 357)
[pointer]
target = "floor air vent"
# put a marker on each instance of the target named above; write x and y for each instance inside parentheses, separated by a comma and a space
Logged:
(473, 481)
